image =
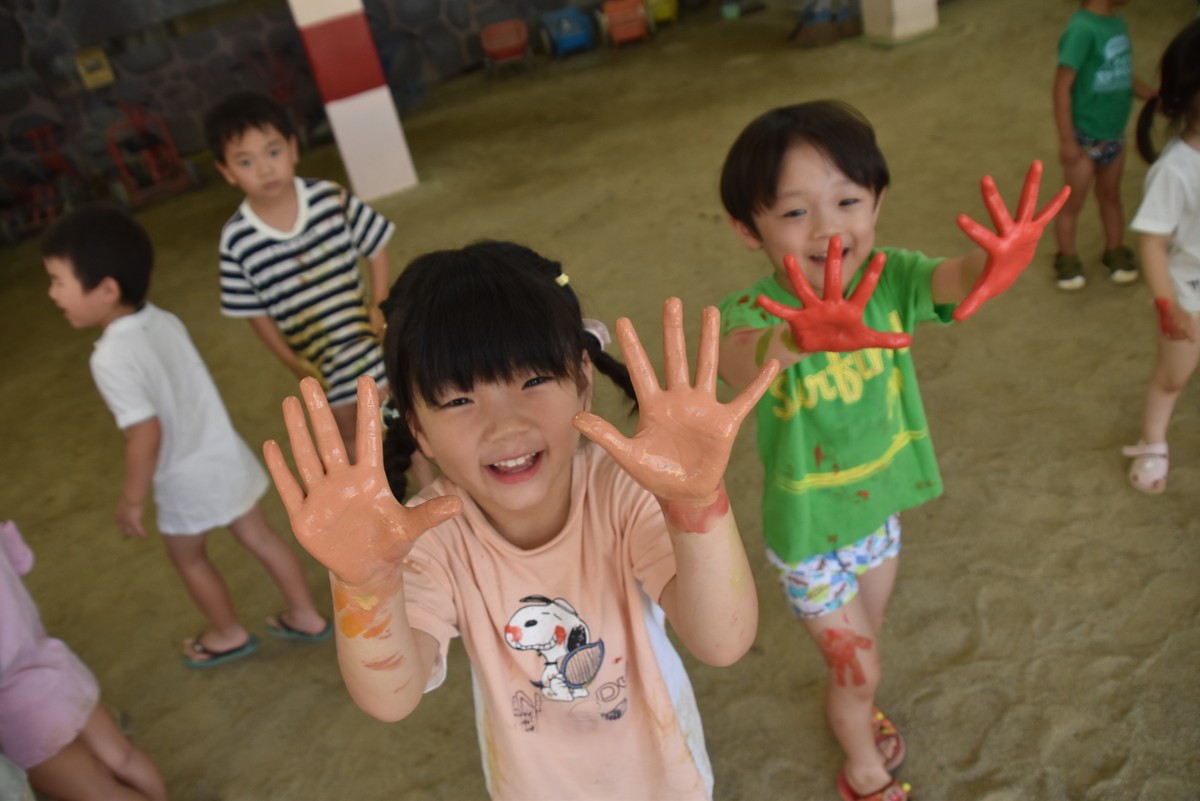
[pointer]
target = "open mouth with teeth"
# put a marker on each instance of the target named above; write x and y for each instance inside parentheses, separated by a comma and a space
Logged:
(517, 468)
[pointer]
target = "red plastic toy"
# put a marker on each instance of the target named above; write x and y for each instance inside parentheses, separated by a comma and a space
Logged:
(505, 42)
(625, 21)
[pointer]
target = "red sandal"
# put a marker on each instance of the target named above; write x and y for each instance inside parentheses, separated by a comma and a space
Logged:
(884, 731)
(896, 791)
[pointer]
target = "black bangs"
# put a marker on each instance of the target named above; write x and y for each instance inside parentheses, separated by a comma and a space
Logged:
(491, 312)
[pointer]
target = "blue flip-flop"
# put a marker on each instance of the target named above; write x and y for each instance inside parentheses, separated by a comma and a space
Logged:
(282, 630)
(213, 658)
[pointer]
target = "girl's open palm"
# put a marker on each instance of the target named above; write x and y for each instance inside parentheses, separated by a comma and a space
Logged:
(345, 514)
(681, 447)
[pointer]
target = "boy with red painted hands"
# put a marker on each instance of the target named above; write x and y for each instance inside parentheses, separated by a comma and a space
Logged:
(554, 561)
(842, 431)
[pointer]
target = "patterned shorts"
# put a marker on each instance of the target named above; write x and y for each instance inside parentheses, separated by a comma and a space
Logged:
(821, 584)
(1101, 151)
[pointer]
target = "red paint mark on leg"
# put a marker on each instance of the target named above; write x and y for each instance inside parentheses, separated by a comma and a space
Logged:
(840, 648)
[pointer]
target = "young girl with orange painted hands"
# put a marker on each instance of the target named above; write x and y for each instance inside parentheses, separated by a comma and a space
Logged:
(554, 561)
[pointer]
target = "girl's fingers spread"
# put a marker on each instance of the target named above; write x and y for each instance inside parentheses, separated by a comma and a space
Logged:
(285, 483)
(1029, 192)
(870, 279)
(995, 206)
(645, 382)
(368, 424)
(833, 269)
(675, 362)
(799, 283)
(307, 462)
(603, 433)
(325, 431)
(748, 397)
(706, 356)
(1054, 206)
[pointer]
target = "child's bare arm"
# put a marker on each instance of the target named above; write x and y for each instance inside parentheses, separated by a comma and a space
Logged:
(679, 453)
(378, 265)
(745, 350)
(345, 515)
(1173, 321)
(272, 337)
(1069, 151)
(141, 456)
(1003, 255)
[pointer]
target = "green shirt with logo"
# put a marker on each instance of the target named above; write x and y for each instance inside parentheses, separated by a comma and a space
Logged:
(842, 436)
(1097, 48)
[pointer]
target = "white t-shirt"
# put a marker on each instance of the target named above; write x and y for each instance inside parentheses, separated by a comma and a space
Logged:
(617, 719)
(145, 366)
(1171, 207)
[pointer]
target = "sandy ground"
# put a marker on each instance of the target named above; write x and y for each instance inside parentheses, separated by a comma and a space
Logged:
(1044, 638)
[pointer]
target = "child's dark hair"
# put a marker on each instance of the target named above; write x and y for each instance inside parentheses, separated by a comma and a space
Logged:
(232, 116)
(1179, 86)
(103, 242)
(750, 176)
(485, 313)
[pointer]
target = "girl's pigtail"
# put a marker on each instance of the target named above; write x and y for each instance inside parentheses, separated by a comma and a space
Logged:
(399, 445)
(1145, 127)
(616, 371)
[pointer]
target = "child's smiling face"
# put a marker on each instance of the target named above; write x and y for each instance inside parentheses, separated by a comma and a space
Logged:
(509, 445)
(814, 201)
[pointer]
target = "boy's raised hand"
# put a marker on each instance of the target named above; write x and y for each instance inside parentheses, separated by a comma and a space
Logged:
(684, 435)
(833, 323)
(1011, 248)
(345, 514)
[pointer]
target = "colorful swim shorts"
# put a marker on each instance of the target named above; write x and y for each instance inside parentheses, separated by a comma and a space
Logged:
(821, 584)
(1101, 151)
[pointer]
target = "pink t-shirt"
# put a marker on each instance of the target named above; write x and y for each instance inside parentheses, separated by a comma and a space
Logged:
(578, 691)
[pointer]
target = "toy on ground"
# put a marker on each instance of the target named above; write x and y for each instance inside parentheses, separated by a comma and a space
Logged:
(505, 43)
(147, 162)
(32, 196)
(566, 31)
(624, 21)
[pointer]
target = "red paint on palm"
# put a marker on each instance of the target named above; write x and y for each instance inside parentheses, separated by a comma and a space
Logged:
(1011, 248)
(833, 323)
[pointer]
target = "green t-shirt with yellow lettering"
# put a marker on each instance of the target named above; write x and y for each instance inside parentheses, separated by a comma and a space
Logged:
(842, 436)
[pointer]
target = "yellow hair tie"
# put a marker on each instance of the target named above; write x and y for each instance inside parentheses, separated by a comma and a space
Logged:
(563, 279)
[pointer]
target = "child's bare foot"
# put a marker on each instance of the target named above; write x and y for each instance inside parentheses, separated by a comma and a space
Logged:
(307, 625)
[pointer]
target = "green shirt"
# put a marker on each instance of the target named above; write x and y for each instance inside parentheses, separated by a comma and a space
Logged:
(842, 436)
(1097, 48)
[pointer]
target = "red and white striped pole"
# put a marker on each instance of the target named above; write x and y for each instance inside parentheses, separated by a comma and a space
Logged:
(358, 104)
